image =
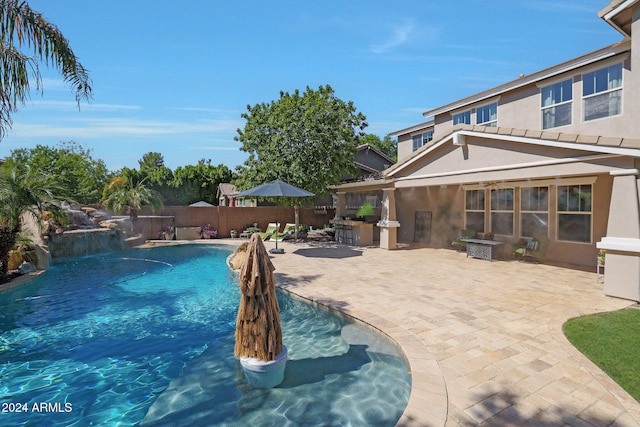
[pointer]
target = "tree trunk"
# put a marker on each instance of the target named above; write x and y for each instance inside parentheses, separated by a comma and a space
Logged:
(7, 240)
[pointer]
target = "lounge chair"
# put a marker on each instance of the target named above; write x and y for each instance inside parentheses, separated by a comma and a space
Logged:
(527, 249)
(271, 229)
(459, 243)
(288, 233)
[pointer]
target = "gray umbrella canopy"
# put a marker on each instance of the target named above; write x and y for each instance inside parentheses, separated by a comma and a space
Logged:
(276, 188)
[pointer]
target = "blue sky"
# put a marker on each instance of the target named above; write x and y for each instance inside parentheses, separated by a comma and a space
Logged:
(174, 77)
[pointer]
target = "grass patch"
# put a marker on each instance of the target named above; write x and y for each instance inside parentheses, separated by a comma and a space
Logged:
(611, 341)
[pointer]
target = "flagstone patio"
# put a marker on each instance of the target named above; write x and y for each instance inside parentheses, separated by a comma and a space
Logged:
(484, 339)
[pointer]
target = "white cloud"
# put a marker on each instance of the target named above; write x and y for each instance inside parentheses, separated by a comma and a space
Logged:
(119, 126)
(72, 105)
(400, 35)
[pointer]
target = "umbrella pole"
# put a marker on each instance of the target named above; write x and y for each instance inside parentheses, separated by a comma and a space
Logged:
(276, 250)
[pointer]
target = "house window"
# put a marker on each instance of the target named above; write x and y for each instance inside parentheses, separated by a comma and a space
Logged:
(421, 139)
(464, 118)
(602, 92)
(502, 211)
(534, 212)
(556, 104)
(474, 210)
(487, 115)
(574, 213)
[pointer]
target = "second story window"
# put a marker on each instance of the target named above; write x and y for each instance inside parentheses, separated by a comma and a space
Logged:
(464, 118)
(421, 139)
(556, 104)
(602, 92)
(487, 115)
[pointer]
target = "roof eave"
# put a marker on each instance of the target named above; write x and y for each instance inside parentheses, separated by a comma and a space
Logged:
(411, 129)
(596, 144)
(613, 11)
(589, 58)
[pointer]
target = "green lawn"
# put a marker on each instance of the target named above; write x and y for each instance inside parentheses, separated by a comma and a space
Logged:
(611, 341)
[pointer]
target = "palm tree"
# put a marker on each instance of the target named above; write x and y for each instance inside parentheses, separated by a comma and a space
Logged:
(21, 26)
(23, 190)
(128, 195)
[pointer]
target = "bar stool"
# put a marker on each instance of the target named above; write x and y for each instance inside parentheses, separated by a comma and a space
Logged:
(339, 233)
(347, 234)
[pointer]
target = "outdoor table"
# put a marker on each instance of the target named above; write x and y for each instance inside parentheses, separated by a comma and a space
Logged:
(480, 248)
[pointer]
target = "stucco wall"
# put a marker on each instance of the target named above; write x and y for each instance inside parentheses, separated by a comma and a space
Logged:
(521, 108)
(447, 206)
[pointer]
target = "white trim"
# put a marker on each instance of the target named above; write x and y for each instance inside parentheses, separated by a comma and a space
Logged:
(622, 244)
(422, 126)
(509, 167)
(625, 172)
(619, 8)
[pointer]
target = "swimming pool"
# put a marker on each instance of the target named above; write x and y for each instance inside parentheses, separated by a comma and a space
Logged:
(146, 338)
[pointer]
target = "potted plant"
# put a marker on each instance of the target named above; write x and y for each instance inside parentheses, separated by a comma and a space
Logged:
(233, 233)
(207, 232)
(303, 230)
(167, 233)
(366, 211)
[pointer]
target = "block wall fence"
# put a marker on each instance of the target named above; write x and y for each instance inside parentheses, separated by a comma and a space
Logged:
(224, 218)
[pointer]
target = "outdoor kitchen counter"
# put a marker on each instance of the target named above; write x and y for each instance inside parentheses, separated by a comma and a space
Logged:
(361, 232)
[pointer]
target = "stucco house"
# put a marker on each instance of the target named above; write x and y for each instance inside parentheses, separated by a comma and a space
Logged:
(554, 155)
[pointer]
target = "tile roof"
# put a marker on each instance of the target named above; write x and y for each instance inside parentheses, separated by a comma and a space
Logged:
(588, 141)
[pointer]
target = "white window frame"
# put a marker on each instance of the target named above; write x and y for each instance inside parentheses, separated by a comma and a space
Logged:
(569, 102)
(609, 91)
(421, 139)
(502, 211)
(480, 210)
(559, 213)
(533, 212)
(492, 122)
(464, 115)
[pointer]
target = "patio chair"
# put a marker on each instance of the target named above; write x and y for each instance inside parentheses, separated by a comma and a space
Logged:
(523, 251)
(288, 233)
(271, 229)
(460, 244)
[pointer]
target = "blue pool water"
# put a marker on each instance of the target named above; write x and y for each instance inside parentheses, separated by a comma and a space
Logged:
(146, 338)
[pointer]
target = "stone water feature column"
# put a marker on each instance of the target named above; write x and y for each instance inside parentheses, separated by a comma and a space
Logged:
(622, 243)
(388, 223)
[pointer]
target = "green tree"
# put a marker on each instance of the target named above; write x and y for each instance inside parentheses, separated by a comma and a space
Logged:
(22, 27)
(70, 164)
(127, 194)
(152, 166)
(387, 145)
(308, 140)
(157, 175)
(193, 183)
(23, 190)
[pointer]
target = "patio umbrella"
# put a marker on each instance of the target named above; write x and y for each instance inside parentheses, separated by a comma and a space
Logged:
(258, 331)
(276, 188)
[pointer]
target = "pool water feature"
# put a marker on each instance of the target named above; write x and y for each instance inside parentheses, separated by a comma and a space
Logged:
(147, 339)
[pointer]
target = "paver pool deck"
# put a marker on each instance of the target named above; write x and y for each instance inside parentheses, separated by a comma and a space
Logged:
(484, 339)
